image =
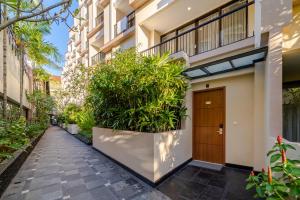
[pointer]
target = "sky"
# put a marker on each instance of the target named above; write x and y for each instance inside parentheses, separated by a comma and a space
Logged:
(59, 37)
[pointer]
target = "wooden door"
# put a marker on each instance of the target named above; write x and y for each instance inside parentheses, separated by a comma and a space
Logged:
(209, 125)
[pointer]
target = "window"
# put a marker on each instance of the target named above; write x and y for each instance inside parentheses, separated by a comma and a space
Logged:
(291, 113)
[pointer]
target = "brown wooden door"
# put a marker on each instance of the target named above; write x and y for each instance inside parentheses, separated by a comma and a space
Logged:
(209, 125)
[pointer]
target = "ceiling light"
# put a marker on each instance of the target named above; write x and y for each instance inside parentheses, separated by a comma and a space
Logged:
(189, 8)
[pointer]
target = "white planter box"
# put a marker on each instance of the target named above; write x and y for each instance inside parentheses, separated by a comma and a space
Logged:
(73, 128)
(151, 155)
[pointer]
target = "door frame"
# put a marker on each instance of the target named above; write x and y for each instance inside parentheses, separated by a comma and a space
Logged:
(224, 117)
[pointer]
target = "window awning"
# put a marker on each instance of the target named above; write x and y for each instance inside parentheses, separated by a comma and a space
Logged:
(236, 62)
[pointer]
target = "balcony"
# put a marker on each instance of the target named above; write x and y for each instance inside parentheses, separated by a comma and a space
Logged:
(99, 22)
(98, 58)
(226, 26)
(99, 19)
(137, 3)
(124, 24)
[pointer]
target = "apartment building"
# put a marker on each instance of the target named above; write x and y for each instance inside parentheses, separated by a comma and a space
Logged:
(13, 60)
(241, 60)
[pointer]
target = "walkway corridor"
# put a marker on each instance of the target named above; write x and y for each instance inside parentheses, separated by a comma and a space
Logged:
(61, 167)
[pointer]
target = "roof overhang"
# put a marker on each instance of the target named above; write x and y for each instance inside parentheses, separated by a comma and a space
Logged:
(232, 63)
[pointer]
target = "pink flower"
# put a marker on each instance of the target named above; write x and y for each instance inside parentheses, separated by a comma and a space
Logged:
(283, 156)
(269, 175)
(279, 139)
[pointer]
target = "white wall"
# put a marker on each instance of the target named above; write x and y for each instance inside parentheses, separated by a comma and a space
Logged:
(151, 155)
(13, 74)
(239, 116)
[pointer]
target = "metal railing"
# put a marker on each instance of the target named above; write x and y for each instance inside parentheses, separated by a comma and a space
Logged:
(210, 33)
(98, 58)
(124, 24)
(99, 19)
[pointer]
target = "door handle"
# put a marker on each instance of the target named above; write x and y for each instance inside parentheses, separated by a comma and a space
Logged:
(220, 131)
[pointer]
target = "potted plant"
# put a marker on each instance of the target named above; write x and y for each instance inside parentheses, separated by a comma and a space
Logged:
(138, 104)
(70, 114)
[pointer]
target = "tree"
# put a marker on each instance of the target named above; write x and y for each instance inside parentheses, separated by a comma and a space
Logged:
(77, 79)
(30, 13)
(4, 65)
(29, 37)
(36, 11)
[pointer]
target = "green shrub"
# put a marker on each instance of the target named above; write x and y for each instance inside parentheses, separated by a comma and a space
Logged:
(16, 134)
(61, 118)
(85, 120)
(71, 113)
(12, 137)
(34, 129)
(86, 134)
(282, 179)
(138, 93)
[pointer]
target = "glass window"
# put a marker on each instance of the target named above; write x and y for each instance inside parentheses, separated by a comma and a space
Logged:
(291, 113)
(208, 35)
(186, 42)
(234, 26)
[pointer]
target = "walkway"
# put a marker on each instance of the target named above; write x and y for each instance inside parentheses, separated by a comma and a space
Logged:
(62, 167)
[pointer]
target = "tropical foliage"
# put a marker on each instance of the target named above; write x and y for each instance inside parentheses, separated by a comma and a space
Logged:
(30, 37)
(77, 79)
(71, 113)
(15, 135)
(86, 122)
(282, 180)
(138, 93)
(42, 106)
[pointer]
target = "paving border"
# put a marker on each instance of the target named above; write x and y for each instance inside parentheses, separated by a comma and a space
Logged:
(10, 167)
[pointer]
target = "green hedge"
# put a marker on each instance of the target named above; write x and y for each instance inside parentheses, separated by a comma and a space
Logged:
(133, 92)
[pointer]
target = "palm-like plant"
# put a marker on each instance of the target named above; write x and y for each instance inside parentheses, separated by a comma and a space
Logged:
(138, 93)
(30, 39)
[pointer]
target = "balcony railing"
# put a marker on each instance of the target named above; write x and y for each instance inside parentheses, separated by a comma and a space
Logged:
(222, 28)
(98, 58)
(99, 19)
(124, 24)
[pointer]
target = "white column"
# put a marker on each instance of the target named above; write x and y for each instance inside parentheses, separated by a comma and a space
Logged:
(273, 86)
(259, 133)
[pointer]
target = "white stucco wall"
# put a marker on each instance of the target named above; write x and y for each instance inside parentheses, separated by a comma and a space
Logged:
(291, 33)
(151, 155)
(239, 116)
(13, 74)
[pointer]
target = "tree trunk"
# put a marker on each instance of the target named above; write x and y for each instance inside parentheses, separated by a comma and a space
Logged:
(22, 69)
(4, 65)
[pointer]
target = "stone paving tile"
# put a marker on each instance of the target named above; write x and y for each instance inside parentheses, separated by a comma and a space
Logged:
(197, 183)
(61, 167)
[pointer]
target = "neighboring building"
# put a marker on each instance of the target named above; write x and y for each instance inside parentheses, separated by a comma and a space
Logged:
(54, 84)
(240, 56)
(13, 60)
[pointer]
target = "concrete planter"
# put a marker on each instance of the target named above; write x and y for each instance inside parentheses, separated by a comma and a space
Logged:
(73, 128)
(151, 155)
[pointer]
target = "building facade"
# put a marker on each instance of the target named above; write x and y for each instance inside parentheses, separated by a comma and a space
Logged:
(13, 60)
(241, 60)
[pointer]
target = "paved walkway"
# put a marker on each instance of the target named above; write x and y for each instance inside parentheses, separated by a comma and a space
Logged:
(62, 167)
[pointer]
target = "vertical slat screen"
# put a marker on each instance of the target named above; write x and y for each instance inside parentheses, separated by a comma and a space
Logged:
(291, 122)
